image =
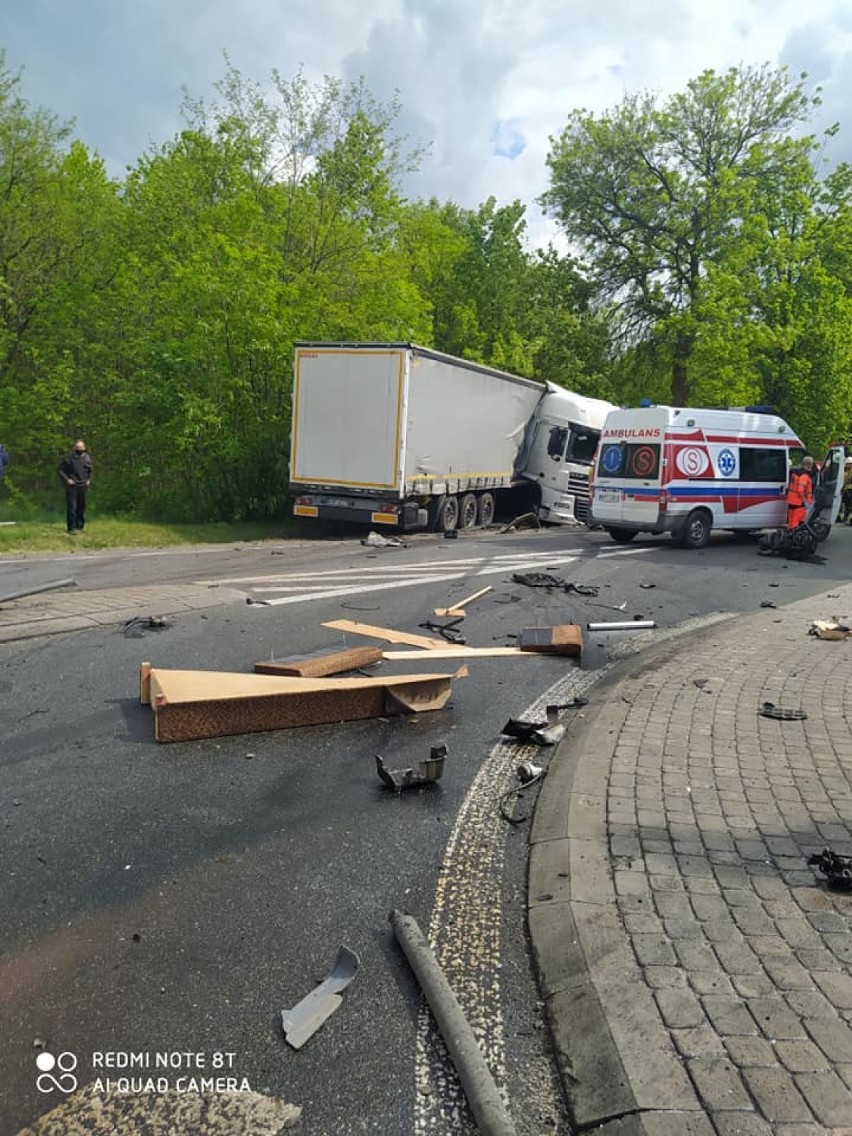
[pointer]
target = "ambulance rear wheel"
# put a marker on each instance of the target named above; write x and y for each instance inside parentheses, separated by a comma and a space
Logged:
(622, 536)
(696, 531)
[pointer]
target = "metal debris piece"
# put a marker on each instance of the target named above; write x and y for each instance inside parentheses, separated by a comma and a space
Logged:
(427, 771)
(837, 868)
(768, 603)
(544, 733)
(586, 589)
(526, 521)
(829, 629)
(38, 588)
(770, 710)
(379, 540)
(134, 627)
(623, 625)
(449, 631)
(647, 585)
(306, 1017)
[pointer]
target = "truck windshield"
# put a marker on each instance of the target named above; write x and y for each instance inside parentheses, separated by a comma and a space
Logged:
(582, 444)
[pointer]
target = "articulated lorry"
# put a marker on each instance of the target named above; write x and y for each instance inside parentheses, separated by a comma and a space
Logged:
(399, 435)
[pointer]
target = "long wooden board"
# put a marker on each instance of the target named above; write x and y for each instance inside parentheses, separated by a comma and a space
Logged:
(386, 633)
(326, 661)
(189, 705)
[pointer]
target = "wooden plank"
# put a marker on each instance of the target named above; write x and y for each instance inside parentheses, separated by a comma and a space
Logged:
(386, 633)
(562, 639)
(458, 609)
(204, 704)
(325, 661)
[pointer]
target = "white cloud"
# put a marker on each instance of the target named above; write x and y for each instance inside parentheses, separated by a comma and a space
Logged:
(487, 83)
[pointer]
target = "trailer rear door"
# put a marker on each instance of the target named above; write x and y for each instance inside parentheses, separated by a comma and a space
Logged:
(348, 407)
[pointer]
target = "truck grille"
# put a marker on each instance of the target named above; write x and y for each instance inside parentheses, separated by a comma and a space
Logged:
(578, 484)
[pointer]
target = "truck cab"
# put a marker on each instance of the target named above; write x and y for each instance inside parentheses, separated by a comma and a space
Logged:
(562, 440)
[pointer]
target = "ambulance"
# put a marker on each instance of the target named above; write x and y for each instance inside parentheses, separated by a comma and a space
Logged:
(684, 471)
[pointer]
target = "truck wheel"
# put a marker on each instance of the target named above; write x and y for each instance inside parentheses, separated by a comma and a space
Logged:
(696, 530)
(622, 536)
(447, 518)
(485, 510)
(467, 511)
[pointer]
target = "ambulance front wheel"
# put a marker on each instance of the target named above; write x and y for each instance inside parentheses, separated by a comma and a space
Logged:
(622, 536)
(696, 530)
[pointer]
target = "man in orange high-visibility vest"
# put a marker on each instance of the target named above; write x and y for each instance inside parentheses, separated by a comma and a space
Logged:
(800, 493)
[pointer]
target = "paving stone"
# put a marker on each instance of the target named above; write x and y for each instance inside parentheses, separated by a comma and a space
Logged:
(741, 1124)
(653, 950)
(672, 906)
(828, 1097)
(809, 1004)
(837, 987)
(736, 957)
(745, 1051)
(710, 982)
(700, 1042)
(789, 975)
(798, 932)
(683, 929)
(777, 1096)
(728, 1015)
(801, 1056)
(710, 908)
(754, 921)
(775, 1018)
(818, 959)
(680, 1009)
(833, 1036)
(665, 977)
(718, 1084)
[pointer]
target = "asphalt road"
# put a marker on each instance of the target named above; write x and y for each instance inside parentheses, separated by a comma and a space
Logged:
(176, 897)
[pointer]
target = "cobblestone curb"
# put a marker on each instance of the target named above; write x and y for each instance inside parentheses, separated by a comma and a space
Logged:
(695, 969)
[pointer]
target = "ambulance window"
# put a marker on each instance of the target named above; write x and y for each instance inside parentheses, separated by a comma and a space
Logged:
(556, 442)
(768, 464)
(642, 461)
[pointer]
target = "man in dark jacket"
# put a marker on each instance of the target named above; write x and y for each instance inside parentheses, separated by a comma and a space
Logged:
(75, 473)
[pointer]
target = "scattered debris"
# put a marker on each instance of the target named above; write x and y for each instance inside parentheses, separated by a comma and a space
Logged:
(325, 661)
(829, 629)
(482, 1094)
(428, 770)
(837, 868)
(449, 631)
(562, 639)
(37, 589)
(451, 534)
(701, 683)
(206, 704)
(770, 710)
(135, 627)
(833, 595)
(544, 733)
(379, 540)
(524, 521)
(306, 1017)
(768, 603)
(584, 589)
(647, 585)
(458, 608)
(252, 602)
(538, 580)
(637, 624)
(528, 774)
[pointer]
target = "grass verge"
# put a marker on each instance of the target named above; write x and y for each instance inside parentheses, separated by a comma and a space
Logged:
(28, 536)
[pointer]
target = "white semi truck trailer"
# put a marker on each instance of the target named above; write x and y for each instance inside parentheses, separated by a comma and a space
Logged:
(399, 435)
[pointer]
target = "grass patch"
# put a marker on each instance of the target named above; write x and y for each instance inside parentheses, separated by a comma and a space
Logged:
(49, 535)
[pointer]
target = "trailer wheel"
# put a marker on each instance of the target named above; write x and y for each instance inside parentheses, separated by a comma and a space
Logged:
(447, 517)
(485, 510)
(467, 511)
(622, 536)
(696, 531)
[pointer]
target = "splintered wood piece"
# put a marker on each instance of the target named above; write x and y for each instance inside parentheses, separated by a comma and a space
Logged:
(325, 661)
(563, 639)
(418, 696)
(458, 609)
(207, 704)
(386, 633)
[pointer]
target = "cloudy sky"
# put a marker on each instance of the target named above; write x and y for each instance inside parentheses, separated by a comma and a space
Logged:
(486, 82)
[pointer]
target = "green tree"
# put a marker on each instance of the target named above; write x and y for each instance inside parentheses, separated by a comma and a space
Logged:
(650, 194)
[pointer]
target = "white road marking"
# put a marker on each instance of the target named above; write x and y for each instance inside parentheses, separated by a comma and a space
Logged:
(625, 552)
